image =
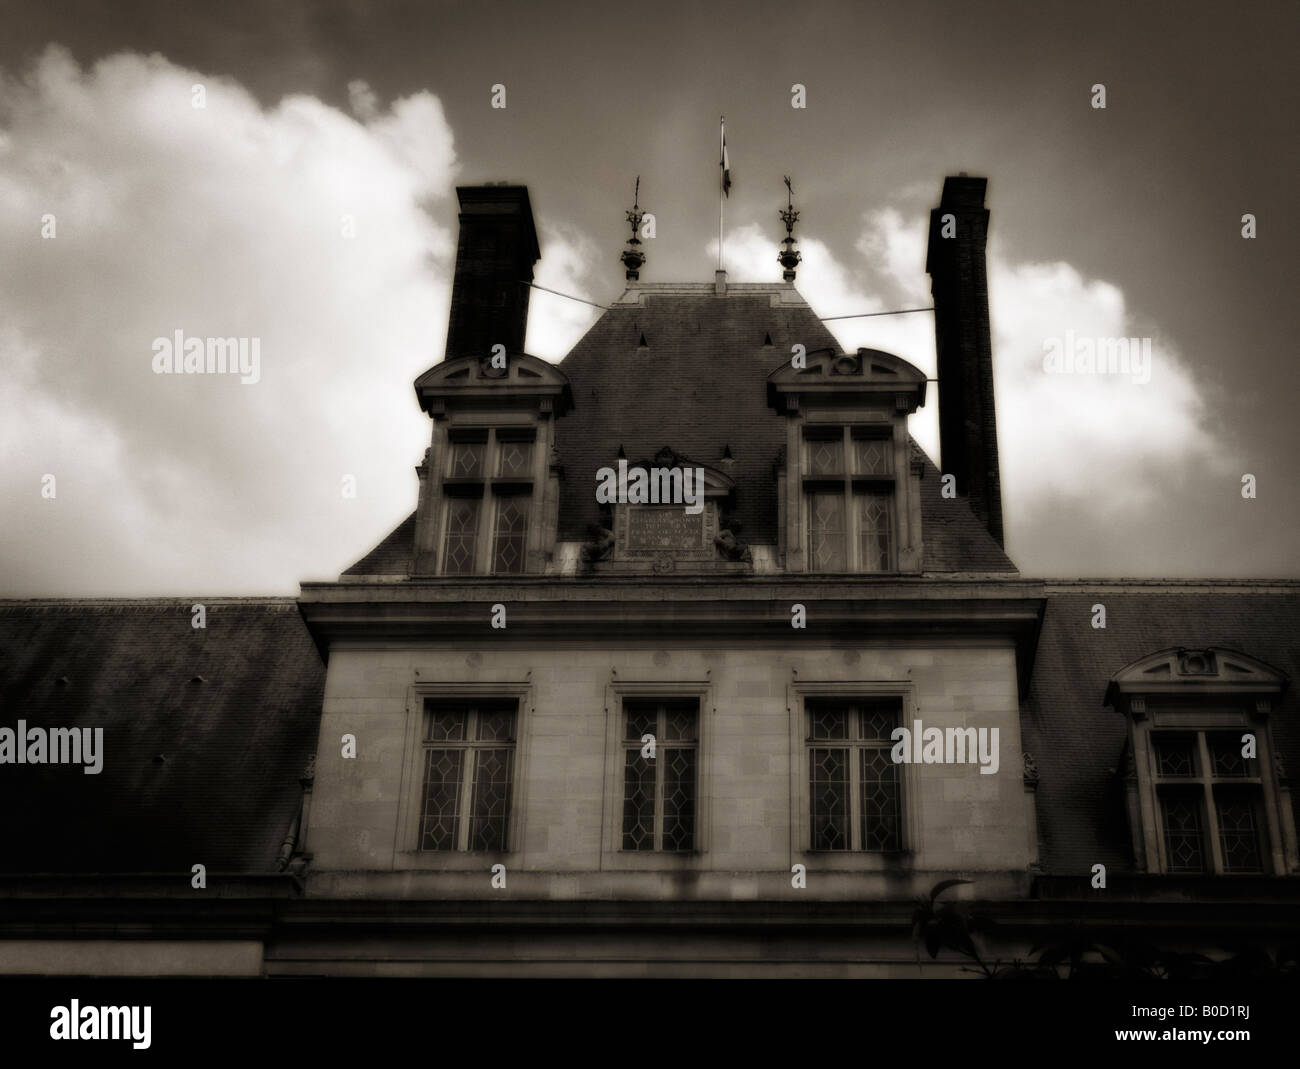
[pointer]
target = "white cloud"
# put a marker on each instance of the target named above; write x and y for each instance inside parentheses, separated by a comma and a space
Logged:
(555, 323)
(221, 221)
(1100, 449)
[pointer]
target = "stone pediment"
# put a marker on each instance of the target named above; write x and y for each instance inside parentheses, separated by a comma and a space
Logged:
(473, 378)
(1183, 671)
(866, 372)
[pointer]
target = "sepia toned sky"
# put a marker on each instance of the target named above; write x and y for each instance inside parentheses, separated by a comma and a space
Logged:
(225, 221)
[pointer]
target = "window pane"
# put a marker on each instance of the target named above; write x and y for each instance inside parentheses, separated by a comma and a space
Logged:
(638, 802)
(496, 723)
(679, 798)
(642, 719)
(467, 459)
(679, 722)
(880, 823)
(1226, 759)
(444, 723)
(873, 456)
(826, 532)
(828, 720)
(511, 533)
(515, 459)
(442, 780)
(825, 457)
(1238, 830)
(828, 792)
(1175, 755)
(875, 528)
(1183, 841)
(877, 719)
(490, 807)
(462, 528)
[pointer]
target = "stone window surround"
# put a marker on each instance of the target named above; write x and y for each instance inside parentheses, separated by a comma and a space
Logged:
(407, 853)
(856, 860)
(612, 855)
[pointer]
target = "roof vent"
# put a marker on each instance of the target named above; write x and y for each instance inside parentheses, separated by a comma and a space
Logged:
(642, 344)
(197, 679)
(63, 681)
(767, 341)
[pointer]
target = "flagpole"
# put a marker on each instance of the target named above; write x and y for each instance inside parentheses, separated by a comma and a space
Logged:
(722, 148)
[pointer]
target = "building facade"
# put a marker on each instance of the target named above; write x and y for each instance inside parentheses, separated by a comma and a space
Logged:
(689, 661)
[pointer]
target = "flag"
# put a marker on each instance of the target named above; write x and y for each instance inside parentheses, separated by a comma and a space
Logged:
(726, 164)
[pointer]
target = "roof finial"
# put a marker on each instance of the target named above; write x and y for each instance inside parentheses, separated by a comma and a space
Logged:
(789, 257)
(632, 256)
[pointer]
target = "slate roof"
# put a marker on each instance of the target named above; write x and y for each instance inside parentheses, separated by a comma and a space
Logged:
(1077, 743)
(699, 386)
(234, 744)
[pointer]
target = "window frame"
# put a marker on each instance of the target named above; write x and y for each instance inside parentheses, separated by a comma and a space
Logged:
(1207, 788)
(489, 487)
(853, 488)
(409, 853)
(909, 801)
(663, 745)
(617, 692)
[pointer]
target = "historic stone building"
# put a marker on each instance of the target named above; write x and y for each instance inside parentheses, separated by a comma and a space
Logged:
(537, 730)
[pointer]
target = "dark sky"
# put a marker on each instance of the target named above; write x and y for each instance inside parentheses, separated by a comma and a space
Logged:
(1134, 210)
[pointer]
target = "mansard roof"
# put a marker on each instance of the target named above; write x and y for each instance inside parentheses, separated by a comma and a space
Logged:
(206, 732)
(699, 384)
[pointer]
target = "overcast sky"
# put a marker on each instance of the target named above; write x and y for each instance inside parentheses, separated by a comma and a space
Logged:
(225, 221)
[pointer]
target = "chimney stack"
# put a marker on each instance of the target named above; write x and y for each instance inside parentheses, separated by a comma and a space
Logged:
(955, 261)
(494, 256)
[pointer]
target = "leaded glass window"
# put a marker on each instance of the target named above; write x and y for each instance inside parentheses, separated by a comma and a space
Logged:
(660, 792)
(1210, 797)
(854, 788)
(875, 528)
(515, 459)
(510, 534)
(485, 520)
(1239, 829)
(467, 460)
(462, 534)
(826, 532)
(873, 456)
(469, 752)
(1184, 844)
(1176, 755)
(848, 497)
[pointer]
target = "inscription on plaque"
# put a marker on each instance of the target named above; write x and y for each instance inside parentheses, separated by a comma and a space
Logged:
(652, 530)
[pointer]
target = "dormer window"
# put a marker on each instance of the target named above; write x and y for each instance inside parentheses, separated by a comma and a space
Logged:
(1206, 792)
(487, 489)
(847, 483)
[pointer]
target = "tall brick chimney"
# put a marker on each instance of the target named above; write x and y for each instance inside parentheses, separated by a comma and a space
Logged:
(968, 432)
(494, 255)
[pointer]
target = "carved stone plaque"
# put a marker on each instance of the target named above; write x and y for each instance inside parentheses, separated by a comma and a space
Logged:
(644, 531)
(653, 528)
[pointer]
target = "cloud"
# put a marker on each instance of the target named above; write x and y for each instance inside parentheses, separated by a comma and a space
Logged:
(555, 323)
(1096, 469)
(228, 220)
